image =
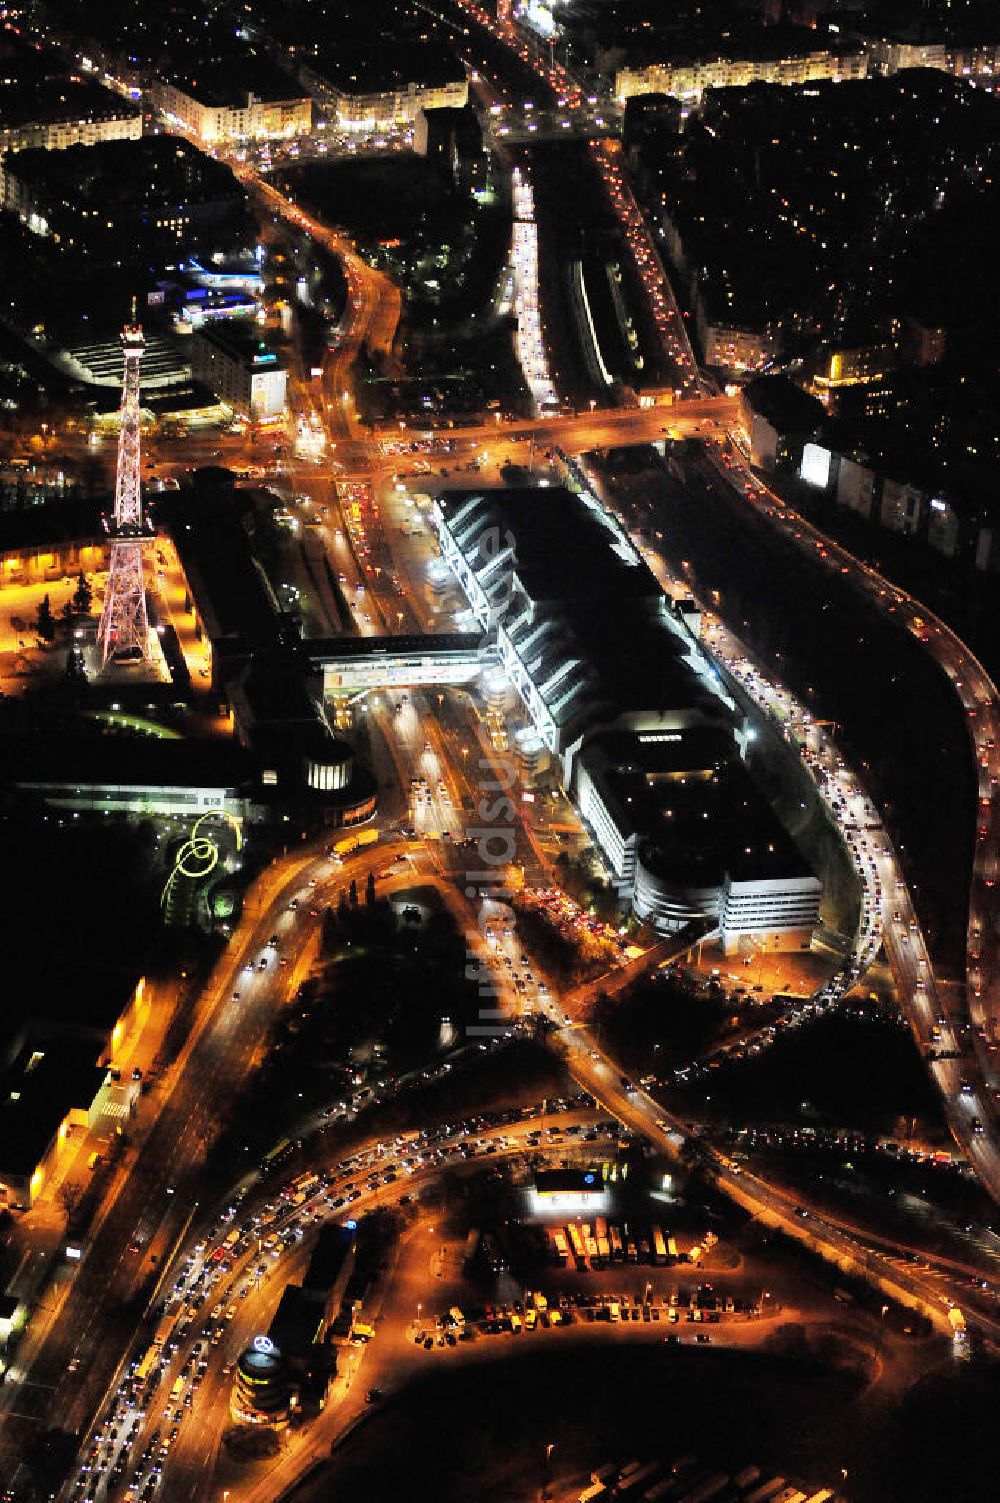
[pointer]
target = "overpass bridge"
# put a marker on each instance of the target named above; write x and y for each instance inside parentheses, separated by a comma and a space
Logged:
(351, 665)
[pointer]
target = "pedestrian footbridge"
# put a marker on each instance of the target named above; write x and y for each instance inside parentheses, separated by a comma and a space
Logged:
(350, 665)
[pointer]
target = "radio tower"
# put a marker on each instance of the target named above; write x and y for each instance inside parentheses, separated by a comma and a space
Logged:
(124, 629)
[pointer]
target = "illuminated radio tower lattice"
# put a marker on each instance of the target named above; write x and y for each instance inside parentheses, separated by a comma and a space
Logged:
(124, 629)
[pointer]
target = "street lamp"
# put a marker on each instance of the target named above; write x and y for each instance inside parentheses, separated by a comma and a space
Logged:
(545, 1470)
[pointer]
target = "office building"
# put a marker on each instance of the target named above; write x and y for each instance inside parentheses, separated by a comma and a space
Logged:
(778, 419)
(237, 365)
(63, 1029)
(262, 1393)
(572, 1191)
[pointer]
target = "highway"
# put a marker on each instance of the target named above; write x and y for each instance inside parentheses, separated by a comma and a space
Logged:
(226, 1279)
(176, 1124)
(74, 1367)
(961, 1047)
(568, 101)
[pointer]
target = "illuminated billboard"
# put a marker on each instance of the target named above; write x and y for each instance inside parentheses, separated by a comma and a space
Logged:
(815, 468)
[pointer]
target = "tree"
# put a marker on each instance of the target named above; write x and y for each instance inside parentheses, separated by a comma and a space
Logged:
(75, 671)
(370, 889)
(353, 894)
(329, 928)
(45, 624)
(83, 595)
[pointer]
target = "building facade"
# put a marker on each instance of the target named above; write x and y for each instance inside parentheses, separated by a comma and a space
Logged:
(57, 114)
(243, 117)
(240, 369)
(690, 78)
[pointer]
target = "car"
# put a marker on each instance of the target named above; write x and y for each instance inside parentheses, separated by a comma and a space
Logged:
(373, 1395)
(428, 1343)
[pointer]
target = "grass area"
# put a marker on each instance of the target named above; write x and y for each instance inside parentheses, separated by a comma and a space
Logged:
(923, 1205)
(857, 1069)
(938, 1444)
(375, 1012)
(664, 1021)
(593, 1402)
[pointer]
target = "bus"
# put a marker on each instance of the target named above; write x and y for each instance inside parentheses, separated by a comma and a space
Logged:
(165, 1341)
(279, 1154)
(301, 1187)
(576, 1242)
(659, 1248)
(149, 1364)
(617, 1250)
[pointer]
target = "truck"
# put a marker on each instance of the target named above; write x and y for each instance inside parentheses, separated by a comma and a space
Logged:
(351, 843)
(603, 1245)
(617, 1250)
(957, 1320)
(576, 1242)
(561, 1246)
(177, 1390)
(642, 1475)
(659, 1247)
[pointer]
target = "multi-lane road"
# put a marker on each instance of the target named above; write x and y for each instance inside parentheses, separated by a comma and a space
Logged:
(961, 1046)
(175, 1127)
(74, 1366)
(160, 1433)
